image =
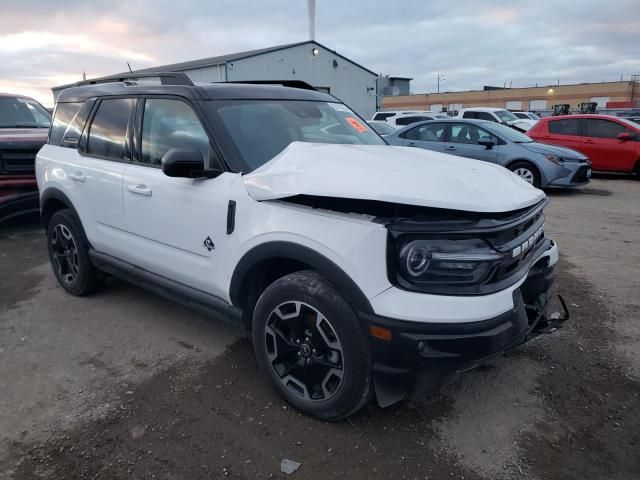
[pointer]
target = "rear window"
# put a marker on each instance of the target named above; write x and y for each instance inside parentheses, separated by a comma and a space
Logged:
(410, 120)
(68, 123)
(382, 116)
(565, 126)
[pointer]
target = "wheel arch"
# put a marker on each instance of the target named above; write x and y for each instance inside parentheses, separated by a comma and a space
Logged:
(541, 174)
(267, 262)
(53, 200)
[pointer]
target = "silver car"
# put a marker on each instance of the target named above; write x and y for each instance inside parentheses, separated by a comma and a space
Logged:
(539, 164)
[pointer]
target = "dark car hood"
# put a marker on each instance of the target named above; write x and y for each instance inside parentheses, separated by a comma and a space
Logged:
(545, 149)
(21, 137)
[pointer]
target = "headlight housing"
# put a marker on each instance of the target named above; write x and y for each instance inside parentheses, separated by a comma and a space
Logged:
(553, 158)
(434, 264)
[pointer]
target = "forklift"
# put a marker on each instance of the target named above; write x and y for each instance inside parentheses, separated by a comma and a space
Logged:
(588, 107)
(562, 109)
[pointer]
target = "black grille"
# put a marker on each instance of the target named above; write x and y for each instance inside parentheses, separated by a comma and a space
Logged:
(17, 162)
(581, 175)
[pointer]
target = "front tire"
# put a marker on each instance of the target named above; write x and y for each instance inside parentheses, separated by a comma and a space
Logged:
(311, 345)
(527, 171)
(69, 255)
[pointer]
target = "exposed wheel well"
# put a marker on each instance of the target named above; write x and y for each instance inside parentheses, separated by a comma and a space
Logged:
(259, 277)
(49, 207)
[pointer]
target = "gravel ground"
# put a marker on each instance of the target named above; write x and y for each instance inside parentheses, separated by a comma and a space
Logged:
(127, 385)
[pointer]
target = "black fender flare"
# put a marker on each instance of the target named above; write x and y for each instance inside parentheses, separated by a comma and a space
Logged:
(53, 193)
(293, 251)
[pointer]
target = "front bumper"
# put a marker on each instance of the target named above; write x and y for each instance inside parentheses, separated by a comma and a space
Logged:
(575, 175)
(422, 356)
(18, 199)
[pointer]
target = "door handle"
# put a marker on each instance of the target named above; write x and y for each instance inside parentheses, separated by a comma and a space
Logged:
(589, 141)
(140, 189)
(411, 144)
(451, 147)
(78, 177)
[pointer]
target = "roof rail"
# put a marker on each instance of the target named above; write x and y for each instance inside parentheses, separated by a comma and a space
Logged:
(285, 83)
(166, 78)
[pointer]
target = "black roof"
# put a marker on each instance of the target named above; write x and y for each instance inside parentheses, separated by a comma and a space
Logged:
(205, 91)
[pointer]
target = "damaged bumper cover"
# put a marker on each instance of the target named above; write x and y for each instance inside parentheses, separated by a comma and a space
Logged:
(421, 357)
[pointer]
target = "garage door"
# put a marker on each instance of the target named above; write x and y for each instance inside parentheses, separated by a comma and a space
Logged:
(535, 105)
(514, 105)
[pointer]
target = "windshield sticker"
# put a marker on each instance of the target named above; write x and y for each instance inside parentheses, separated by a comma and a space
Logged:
(339, 107)
(356, 124)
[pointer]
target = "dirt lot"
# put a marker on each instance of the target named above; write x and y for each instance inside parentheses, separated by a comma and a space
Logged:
(127, 385)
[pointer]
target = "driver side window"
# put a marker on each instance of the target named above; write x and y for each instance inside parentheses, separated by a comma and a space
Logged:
(167, 124)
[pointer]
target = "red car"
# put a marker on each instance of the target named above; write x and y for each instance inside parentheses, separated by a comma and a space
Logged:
(24, 126)
(611, 143)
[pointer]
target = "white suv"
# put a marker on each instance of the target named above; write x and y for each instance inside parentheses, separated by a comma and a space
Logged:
(498, 115)
(401, 118)
(361, 269)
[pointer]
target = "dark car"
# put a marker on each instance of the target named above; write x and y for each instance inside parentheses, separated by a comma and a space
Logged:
(24, 126)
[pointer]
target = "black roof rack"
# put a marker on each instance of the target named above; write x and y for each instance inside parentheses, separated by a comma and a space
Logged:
(285, 83)
(166, 78)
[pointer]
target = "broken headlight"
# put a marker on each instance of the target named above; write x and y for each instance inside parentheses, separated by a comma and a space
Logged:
(445, 262)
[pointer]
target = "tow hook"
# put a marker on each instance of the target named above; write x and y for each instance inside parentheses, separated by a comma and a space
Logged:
(553, 322)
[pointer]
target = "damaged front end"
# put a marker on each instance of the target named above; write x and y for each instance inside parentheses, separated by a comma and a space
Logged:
(464, 255)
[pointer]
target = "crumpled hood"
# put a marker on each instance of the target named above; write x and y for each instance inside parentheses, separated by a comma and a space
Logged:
(544, 149)
(403, 175)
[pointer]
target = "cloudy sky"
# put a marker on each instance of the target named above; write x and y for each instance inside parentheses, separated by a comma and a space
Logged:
(474, 43)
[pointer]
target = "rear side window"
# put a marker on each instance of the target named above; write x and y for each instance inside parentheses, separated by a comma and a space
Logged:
(108, 132)
(604, 128)
(434, 132)
(410, 120)
(485, 116)
(68, 122)
(469, 115)
(565, 126)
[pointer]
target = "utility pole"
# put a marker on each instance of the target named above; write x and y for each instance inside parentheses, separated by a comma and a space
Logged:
(440, 78)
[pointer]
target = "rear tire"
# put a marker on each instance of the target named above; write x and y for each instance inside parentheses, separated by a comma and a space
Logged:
(527, 171)
(69, 255)
(311, 345)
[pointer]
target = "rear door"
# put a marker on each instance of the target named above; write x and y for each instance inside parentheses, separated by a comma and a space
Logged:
(430, 136)
(564, 131)
(606, 151)
(95, 169)
(463, 141)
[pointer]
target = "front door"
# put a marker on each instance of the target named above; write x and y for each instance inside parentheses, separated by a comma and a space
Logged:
(174, 224)
(606, 151)
(463, 141)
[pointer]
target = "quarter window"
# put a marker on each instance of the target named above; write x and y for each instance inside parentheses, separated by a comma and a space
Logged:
(169, 124)
(565, 126)
(604, 128)
(68, 122)
(108, 132)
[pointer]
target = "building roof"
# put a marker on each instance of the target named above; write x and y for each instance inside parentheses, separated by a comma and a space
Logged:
(221, 59)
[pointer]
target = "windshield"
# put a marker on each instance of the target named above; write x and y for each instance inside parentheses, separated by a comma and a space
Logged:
(382, 128)
(507, 133)
(260, 129)
(534, 116)
(16, 112)
(505, 115)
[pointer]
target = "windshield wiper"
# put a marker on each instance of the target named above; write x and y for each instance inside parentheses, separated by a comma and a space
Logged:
(23, 125)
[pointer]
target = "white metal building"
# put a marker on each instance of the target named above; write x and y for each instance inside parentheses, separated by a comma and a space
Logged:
(308, 61)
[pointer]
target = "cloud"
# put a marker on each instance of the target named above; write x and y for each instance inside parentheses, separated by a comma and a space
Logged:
(44, 43)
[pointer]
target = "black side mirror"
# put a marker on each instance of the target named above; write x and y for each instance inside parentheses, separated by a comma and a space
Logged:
(186, 163)
(487, 142)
